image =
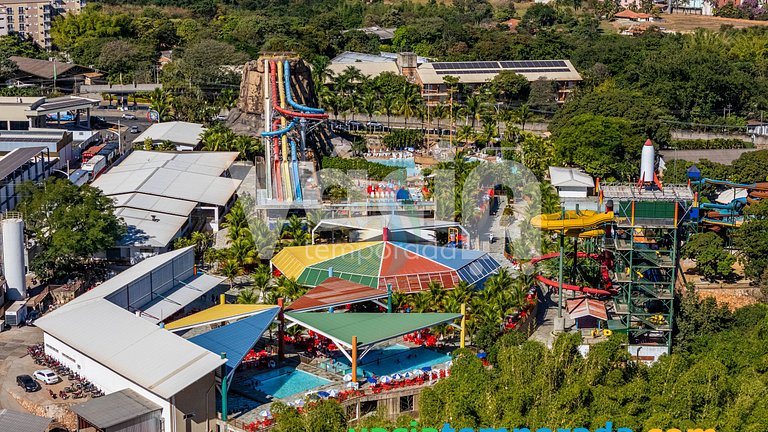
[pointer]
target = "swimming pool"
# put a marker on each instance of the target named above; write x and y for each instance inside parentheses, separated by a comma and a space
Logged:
(397, 359)
(287, 381)
(408, 163)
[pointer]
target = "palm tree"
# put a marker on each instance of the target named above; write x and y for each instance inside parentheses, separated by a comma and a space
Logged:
(320, 71)
(421, 302)
(436, 295)
(230, 269)
(236, 222)
(523, 114)
(439, 112)
(472, 106)
(369, 103)
(410, 101)
(289, 288)
(487, 134)
(246, 147)
(261, 279)
(248, 296)
(227, 99)
(388, 105)
(243, 251)
(296, 231)
(465, 133)
(399, 300)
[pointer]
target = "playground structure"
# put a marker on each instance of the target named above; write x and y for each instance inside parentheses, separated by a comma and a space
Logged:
(283, 116)
(635, 238)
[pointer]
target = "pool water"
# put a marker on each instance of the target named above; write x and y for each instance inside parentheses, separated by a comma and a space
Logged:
(285, 382)
(408, 163)
(398, 359)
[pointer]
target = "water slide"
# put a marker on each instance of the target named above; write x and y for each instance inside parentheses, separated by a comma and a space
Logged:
(604, 263)
(572, 220)
(287, 184)
(734, 205)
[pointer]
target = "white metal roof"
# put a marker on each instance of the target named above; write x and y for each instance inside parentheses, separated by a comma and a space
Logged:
(142, 352)
(171, 183)
(393, 222)
(22, 422)
(153, 203)
(149, 228)
(570, 177)
(210, 163)
(177, 132)
(433, 73)
(175, 300)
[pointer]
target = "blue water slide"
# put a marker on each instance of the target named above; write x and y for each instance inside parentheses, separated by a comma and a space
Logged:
(723, 183)
(291, 102)
(733, 205)
(281, 131)
(295, 171)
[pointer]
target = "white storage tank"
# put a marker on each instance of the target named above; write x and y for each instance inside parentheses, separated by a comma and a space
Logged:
(13, 259)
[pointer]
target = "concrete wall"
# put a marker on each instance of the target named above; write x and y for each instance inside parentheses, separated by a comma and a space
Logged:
(198, 399)
(759, 141)
(101, 376)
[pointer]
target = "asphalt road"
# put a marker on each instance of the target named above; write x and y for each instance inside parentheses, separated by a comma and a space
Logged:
(114, 116)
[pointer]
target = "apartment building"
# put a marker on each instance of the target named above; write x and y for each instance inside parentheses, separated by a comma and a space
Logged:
(32, 18)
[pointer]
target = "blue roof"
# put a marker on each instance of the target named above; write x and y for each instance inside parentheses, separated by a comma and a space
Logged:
(237, 338)
(449, 257)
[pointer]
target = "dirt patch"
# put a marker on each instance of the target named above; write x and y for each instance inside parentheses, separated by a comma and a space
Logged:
(734, 297)
(688, 23)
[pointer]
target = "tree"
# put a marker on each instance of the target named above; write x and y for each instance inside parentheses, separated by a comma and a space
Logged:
(543, 95)
(472, 107)
(230, 269)
(439, 112)
(538, 17)
(507, 85)
(388, 105)
(68, 225)
(751, 239)
(248, 296)
(712, 260)
(604, 146)
(523, 114)
(369, 103)
(409, 101)
(465, 133)
(326, 416)
(750, 167)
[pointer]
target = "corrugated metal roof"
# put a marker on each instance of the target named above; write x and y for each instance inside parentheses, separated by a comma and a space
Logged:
(178, 132)
(393, 222)
(237, 338)
(171, 183)
(428, 72)
(16, 159)
(156, 204)
(216, 314)
(292, 260)
(142, 352)
(124, 278)
(115, 408)
(335, 292)
(370, 328)
(369, 69)
(179, 297)
(14, 421)
(210, 163)
(149, 228)
(43, 68)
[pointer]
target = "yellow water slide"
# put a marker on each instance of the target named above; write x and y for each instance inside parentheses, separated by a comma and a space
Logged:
(574, 223)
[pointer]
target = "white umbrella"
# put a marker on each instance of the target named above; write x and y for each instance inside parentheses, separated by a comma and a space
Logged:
(298, 403)
(333, 392)
(385, 379)
(347, 377)
(417, 372)
(407, 375)
(397, 376)
(265, 413)
(352, 385)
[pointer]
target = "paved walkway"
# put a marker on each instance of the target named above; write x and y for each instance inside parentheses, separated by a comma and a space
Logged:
(13, 346)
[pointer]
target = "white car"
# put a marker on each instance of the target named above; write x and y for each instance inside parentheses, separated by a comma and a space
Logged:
(47, 376)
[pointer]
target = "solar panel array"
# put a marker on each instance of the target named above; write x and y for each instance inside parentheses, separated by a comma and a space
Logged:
(488, 67)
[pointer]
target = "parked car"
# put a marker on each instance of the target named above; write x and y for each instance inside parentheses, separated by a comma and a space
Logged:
(27, 383)
(374, 125)
(31, 317)
(354, 124)
(134, 129)
(47, 376)
(129, 116)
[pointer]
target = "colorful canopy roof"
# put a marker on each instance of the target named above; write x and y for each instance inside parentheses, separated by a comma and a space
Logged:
(370, 328)
(237, 338)
(216, 314)
(335, 292)
(408, 267)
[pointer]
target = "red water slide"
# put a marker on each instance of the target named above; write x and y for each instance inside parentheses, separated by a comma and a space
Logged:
(604, 263)
(276, 105)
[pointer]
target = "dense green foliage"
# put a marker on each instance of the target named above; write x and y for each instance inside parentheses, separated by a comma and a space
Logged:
(718, 383)
(752, 241)
(400, 139)
(375, 171)
(712, 260)
(68, 225)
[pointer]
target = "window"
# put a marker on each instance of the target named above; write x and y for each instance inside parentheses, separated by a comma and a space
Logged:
(69, 358)
(22, 27)
(406, 403)
(10, 18)
(21, 10)
(51, 348)
(10, 28)
(21, 18)
(9, 11)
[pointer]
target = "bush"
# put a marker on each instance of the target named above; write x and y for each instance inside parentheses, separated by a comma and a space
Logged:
(703, 144)
(403, 138)
(375, 171)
